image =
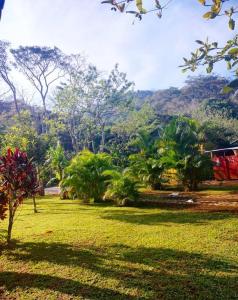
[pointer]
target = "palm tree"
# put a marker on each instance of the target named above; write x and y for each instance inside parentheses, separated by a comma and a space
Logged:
(181, 145)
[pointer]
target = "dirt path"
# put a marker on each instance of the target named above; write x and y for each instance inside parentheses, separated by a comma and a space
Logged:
(201, 201)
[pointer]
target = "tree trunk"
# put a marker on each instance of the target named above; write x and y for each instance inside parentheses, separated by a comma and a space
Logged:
(10, 223)
(93, 147)
(102, 146)
(44, 104)
(15, 101)
(34, 204)
(41, 185)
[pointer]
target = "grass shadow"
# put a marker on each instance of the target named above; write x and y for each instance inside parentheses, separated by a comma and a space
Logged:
(12, 280)
(163, 217)
(157, 273)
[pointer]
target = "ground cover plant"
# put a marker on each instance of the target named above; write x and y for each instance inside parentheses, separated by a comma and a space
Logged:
(73, 251)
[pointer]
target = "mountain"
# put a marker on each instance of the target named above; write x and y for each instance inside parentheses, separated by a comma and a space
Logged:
(173, 101)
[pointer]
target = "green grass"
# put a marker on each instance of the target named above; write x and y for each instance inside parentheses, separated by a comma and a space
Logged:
(73, 251)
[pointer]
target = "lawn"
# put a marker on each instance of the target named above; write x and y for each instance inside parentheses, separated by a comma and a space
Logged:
(73, 251)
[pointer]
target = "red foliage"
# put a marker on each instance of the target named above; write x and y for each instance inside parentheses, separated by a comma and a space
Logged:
(3, 205)
(18, 179)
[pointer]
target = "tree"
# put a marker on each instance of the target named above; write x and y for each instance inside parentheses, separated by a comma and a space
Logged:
(121, 188)
(85, 175)
(57, 161)
(148, 170)
(218, 122)
(131, 132)
(181, 149)
(18, 180)
(5, 72)
(23, 135)
(89, 103)
(42, 66)
(73, 104)
(3, 204)
(107, 99)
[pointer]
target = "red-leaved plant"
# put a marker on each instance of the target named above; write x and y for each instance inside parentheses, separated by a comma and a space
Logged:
(3, 205)
(18, 180)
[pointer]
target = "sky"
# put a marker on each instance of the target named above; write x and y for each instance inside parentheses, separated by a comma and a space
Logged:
(149, 51)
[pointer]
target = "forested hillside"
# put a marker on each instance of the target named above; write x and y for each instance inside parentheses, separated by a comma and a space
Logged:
(201, 98)
(171, 101)
(196, 91)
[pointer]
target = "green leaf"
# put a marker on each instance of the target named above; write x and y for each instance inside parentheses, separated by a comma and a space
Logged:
(139, 5)
(209, 15)
(227, 90)
(228, 65)
(199, 42)
(210, 67)
(232, 24)
(233, 51)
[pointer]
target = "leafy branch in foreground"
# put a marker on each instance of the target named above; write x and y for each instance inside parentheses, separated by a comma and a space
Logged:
(217, 9)
(139, 9)
(209, 53)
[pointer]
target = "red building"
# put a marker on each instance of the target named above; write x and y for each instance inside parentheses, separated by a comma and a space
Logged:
(225, 163)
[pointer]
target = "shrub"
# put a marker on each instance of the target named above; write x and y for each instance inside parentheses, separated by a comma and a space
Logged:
(182, 150)
(3, 204)
(57, 161)
(121, 189)
(18, 179)
(148, 170)
(85, 175)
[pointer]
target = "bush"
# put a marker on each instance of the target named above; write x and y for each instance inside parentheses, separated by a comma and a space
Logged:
(182, 151)
(148, 170)
(3, 204)
(85, 177)
(18, 180)
(121, 189)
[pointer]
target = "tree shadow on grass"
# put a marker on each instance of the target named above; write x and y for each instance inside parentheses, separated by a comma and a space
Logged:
(163, 217)
(12, 280)
(157, 273)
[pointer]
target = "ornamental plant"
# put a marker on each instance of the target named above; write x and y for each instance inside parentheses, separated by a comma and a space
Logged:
(85, 175)
(122, 189)
(18, 180)
(181, 148)
(3, 205)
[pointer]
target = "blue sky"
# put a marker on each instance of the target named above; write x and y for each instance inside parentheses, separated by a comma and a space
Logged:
(149, 51)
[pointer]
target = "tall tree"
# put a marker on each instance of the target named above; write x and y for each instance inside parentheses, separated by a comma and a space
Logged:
(109, 98)
(181, 149)
(5, 72)
(42, 66)
(89, 102)
(73, 103)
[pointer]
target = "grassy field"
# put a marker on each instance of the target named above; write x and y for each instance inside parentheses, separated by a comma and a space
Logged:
(73, 251)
